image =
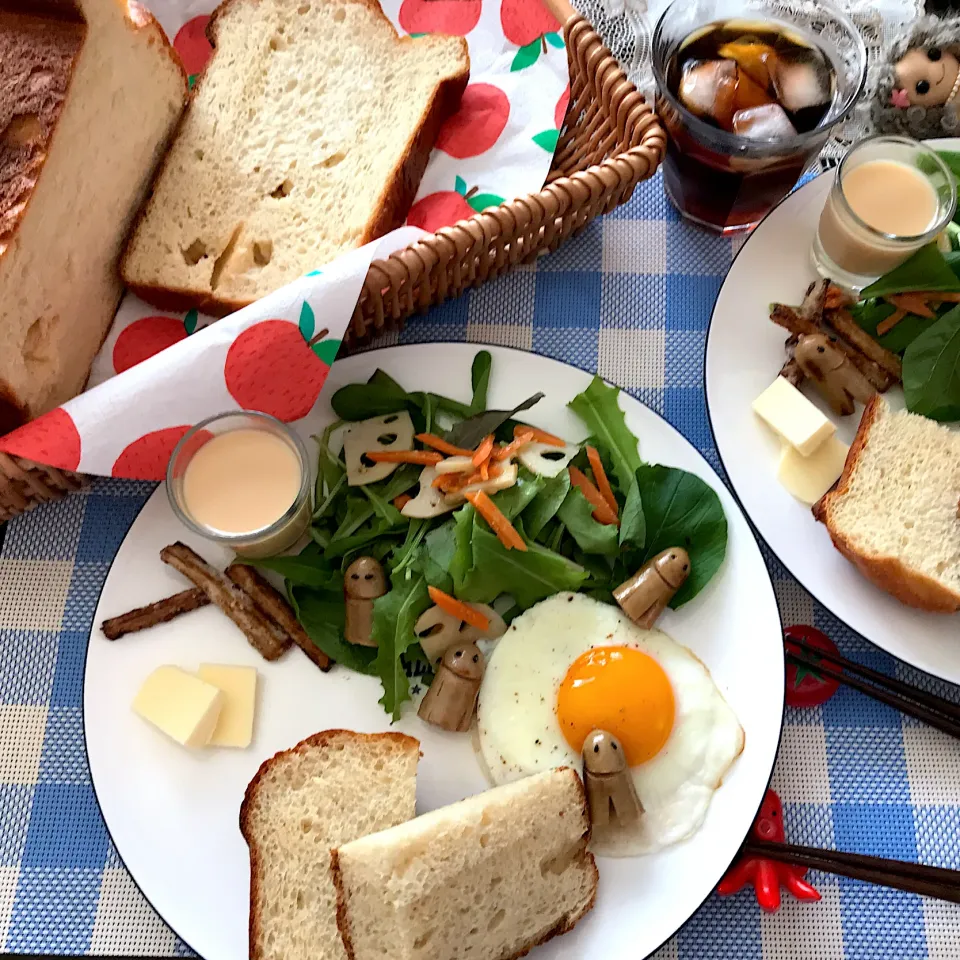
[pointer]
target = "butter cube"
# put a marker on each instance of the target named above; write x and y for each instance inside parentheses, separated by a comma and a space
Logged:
(790, 414)
(809, 478)
(183, 706)
(239, 688)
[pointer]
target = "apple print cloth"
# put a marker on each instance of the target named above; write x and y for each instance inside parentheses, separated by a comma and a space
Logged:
(630, 298)
(167, 372)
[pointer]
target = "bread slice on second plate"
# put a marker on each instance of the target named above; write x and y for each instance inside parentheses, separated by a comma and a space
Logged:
(307, 136)
(894, 512)
(329, 789)
(489, 877)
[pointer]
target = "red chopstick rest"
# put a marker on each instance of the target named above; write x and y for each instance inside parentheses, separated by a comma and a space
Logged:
(767, 876)
(806, 687)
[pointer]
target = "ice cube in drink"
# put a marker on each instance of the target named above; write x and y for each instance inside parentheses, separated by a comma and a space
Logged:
(769, 122)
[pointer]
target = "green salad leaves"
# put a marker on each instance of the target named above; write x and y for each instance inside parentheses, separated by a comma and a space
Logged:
(567, 549)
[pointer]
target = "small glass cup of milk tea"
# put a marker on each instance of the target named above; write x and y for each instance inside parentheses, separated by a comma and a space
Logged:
(891, 196)
(243, 480)
(749, 95)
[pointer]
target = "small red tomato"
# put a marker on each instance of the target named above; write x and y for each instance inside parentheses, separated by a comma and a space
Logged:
(806, 687)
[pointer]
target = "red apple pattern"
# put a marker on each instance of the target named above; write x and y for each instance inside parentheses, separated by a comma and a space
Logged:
(193, 46)
(274, 368)
(146, 337)
(147, 457)
(51, 439)
(447, 207)
(456, 17)
(477, 125)
(531, 27)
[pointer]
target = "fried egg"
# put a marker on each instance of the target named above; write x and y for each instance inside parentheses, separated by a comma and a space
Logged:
(570, 665)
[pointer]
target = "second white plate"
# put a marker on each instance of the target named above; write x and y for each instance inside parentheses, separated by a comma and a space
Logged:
(744, 354)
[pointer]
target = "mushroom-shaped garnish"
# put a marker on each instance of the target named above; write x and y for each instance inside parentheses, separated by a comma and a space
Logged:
(363, 582)
(840, 382)
(607, 781)
(646, 594)
(452, 698)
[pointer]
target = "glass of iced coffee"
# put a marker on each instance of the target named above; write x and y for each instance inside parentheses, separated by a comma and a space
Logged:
(749, 95)
(891, 196)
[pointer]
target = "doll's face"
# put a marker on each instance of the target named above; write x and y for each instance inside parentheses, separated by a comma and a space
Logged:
(926, 76)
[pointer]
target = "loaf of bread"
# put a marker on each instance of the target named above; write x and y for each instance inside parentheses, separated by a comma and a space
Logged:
(307, 136)
(90, 92)
(329, 789)
(895, 512)
(489, 877)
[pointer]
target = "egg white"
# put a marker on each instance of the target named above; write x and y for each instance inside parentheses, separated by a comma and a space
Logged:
(518, 732)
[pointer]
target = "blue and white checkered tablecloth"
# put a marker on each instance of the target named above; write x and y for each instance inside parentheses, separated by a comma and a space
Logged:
(631, 299)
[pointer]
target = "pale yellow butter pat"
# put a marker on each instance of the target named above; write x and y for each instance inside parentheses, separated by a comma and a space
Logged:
(790, 414)
(183, 706)
(809, 478)
(239, 688)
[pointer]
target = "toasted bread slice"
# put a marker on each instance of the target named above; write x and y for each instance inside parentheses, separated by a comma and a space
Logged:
(329, 789)
(307, 136)
(895, 512)
(491, 876)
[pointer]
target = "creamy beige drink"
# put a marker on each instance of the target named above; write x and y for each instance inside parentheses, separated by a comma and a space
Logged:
(244, 486)
(891, 197)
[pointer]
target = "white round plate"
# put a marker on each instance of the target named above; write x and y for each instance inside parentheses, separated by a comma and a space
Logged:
(744, 354)
(172, 814)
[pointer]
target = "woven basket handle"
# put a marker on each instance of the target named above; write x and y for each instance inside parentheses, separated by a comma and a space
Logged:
(561, 9)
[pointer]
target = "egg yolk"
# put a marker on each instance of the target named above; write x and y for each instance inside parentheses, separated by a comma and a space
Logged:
(623, 691)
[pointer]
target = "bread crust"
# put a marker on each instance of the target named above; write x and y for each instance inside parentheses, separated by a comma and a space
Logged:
(888, 573)
(563, 925)
(322, 739)
(392, 206)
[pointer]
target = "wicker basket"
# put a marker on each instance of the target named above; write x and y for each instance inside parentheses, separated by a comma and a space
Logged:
(611, 140)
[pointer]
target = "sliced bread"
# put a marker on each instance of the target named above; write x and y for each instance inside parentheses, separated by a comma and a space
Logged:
(895, 512)
(329, 789)
(307, 136)
(489, 877)
(89, 93)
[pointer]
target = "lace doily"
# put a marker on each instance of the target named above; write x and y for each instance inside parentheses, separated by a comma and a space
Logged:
(627, 28)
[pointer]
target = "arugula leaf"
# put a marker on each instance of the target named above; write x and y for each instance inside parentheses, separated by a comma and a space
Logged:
(512, 501)
(925, 270)
(309, 569)
(598, 408)
(322, 615)
(480, 380)
(683, 511)
(931, 370)
(461, 559)
(469, 432)
(394, 617)
(527, 576)
(381, 395)
(576, 514)
(869, 313)
(633, 522)
(545, 504)
(367, 533)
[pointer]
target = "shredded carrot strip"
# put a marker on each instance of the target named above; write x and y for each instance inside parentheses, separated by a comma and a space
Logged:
(485, 469)
(425, 458)
(541, 436)
(457, 608)
(450, 481)
(912, 303)
(438, 443)
(522, 438)
(402, 500)
(600, 475)
(836, 297)
(506, 532)
(888, 323)
(601, 509)
(484, 450)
